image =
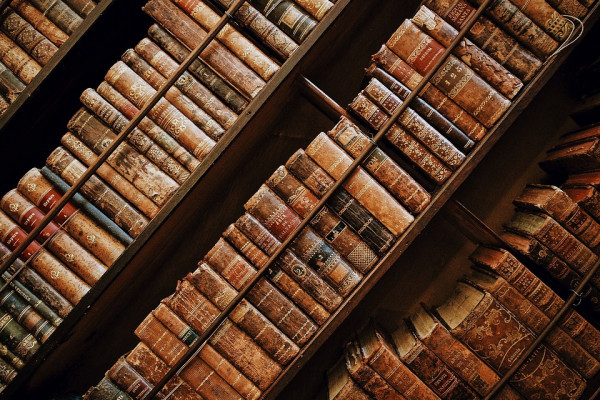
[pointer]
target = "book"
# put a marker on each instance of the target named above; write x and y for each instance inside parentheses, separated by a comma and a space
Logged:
(400, 70)
(572, 157)
(10, 357)
(496, 335)
(290, 18)
(7, 372)
(340, 385)
(496, 42)
(16, 338)
(128, 379)
(235, 41)
(569, 7)
(39, 21)
(10, 86)
(81, 7)
(317, 8)
(547, 18)
(216, 55)
(482, 63)
(454, 78)
(59, 13)
(587, 197)
(584, 178)
(199, 69)
(17, 60)
(106, 390)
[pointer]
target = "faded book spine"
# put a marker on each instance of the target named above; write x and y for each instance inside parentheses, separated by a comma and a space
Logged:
(39, 21)
(106, 390)
(10, 86)
(26, 36)
(547, 18)
(59, 13)
(81, 7)
(25, 315)
(19, 62)
(290, 18)
(587, 197)
(16, 338)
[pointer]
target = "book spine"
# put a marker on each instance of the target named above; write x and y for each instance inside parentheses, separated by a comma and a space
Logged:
(490, 38)
(39, 21)
(81, 7)
(212, 285)
(239, 45)
(7, 372)
(590, 202)
(10, 86)
(19, 62)
(316, 8)
(197, 92)
(27, 37)
(204, 381)
(290, 18)
(192, 306)
(128, 379)
(454, 78)
(400, 70)
(16, 338)
(10, 357)
(106, 390)
(547, 18)
(309, 173)
(199, 69)
(152, 369)
(118, 182)
(216, 55)
(569, 7)
(109, 202)
(154, 150)
(483, 64)
(292, 192)
(25, 315)
(168, 117)
(59, 13)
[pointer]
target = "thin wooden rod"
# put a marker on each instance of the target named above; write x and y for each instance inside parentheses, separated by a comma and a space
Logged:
(470, 225)
(321, 100)
(116, 142)
(198, 345)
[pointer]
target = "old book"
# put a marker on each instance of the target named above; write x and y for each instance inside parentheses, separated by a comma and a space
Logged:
(82, 7)
(154, 132)
(584, 178)
(557, 239)
(204, 381)
(470, 313)
(456, 355)
(316, 8)
(265, 30)
(290, 263)
(106, 390)
(532, 317)
(383, 101)
(10, 357)
(192, 306)
(116, 180)
(400, 70)
(587, 132)
(526, 282)
(50, 299)
(59, 13)
(199, 69)
(340, 385)
(39, 21)
(26, 36)
(59, 276)
(557, 204)
(275, 274)
(428, 366)
(360, 185)
(482, 63)
(129, 380)
(160, 340)
(454, 78)
(59, 242)
(290, 18)
(137, 138)
(447, 128)
(366, 377)
(542, 256)
(80, 226)
(167, 116)
(239, 45)
(16, 338)
(10, 86)
(19, 62)
(573, 157)
(7, 372)
(587, 197)
(378, 353)
(112, 204)
(182, 102)
(547, 18)
(216, 55)
(188, 85)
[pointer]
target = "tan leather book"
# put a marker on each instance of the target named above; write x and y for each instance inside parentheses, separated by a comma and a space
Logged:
(81, 7)
(192, 306)
(547, 18)
(59, 13)
(501, 45)
(205, 382)
(317, 8)
(454, 78)
(400, 70)
(288, 16)
(216, 55)
(482, 63)
(587, 197)
(235, 41)
(105, 390)
(572, 158)
(470, 315)
(569, 7)
(340, 385)
(129, 380)
(27, 37)
(160, 340)
(17, 60)
(39, 21)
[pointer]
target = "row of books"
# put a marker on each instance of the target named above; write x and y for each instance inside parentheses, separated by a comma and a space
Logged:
(116, 204)
(31, 31)
(326, 261)
(463, 347)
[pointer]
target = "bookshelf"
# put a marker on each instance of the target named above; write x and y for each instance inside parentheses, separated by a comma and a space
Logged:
(277, 122)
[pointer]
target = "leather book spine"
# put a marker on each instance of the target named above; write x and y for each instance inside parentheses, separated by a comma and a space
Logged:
(81, 7)
(309, 173)
(193, 89)
(270, 35)
(457, 137)
(546, 17)
(204, 381)
(160, 340)
(49, 296)
(290, 18)
(192, 306)
(212, 285)
(173, 95)
(59, 13)
(381, 166)
(382, 99)
(404, 73)
(454, 78)
(16, 338)
(258, 233)
(478, 60)
(106, 390)
(25, 315)
(63, 279)
(19, 62)
(569, 7)
(587, 197)
(10, 86)
(39, 21)
(153, 150)
(27, 37)
(154, 132)
(216, 55)
(7, 372)
(292, 192)
(128, 379)
(199, 69)
(118, 182)
(499, 44)
(316, 8)
(236, 42)
(167, 116)
(11, 358)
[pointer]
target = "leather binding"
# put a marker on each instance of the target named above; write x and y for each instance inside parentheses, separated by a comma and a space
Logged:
(290, 18)
(59, 13)
(39, 21)
(17, 60)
